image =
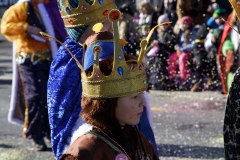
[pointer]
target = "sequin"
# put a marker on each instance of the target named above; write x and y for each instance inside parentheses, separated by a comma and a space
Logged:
(120, 70)
(120, 57)
(97, 75)
(67, 10)
(105, 13)
(70, 21)
(83, 7)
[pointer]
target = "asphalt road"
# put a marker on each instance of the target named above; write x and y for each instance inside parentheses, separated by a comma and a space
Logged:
(186, 125)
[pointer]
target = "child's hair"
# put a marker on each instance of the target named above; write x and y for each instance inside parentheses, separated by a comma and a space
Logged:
(148, 7)
(101, 112)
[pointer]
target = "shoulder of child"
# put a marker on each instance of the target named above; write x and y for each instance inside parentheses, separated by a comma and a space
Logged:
(89, 146)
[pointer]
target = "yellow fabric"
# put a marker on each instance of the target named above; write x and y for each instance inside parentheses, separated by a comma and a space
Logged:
(14, 27)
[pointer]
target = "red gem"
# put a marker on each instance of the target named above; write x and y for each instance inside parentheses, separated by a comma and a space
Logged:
(105, 13)
(70, 21)
(114, 15)
(97, 49)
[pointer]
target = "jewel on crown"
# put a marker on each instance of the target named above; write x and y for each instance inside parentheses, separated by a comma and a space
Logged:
(84, 13)
(123, 80)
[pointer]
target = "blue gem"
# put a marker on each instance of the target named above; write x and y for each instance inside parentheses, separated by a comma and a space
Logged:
(67, 10)
(100, 1)
(119, 57)
(120, 70)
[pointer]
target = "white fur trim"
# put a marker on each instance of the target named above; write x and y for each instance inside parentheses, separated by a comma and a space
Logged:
(13, 101)
(148, 109)
(49, 27)
(79, 129)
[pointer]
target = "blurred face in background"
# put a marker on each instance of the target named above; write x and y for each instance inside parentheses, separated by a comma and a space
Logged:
(145, 31)
(163, 28)
(184, 26)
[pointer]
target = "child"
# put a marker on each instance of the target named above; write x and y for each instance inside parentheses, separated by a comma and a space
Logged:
(112, 113)
(182, 55)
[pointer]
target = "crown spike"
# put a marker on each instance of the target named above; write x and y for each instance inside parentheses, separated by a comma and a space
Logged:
(114, 16)
(96, 70)
(48, 36)
(144, 42)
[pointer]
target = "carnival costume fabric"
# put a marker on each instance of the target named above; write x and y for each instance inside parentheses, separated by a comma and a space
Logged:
(231, 119)
(64, 96)
(17, 105)
(97, 87)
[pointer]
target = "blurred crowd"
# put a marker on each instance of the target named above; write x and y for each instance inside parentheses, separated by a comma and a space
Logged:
(197, 51)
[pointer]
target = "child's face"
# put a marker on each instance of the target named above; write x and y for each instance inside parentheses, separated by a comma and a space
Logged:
(145, 31)
(218, 20)
(129, 109)
(163, 28)
(183, 26)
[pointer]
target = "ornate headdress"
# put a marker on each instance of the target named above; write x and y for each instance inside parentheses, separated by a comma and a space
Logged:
(236, 7)
(122, 81)
(84, 13)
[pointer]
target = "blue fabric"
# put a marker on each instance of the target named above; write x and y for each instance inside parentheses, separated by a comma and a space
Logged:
(145, 128)
(211, 23)
(107, 49)
(64, 95)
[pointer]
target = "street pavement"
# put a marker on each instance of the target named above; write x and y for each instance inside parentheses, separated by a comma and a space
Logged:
(186, 125)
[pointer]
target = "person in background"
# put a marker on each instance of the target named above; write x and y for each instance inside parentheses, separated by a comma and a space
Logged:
(128, 29)
(168, 7)
(32, 56)
(227, 52)
(147, 14)
(201, 63)
(182, 54)
(196, 9)
(157, 56)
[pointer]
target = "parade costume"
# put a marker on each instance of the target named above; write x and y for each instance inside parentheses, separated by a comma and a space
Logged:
(231, 119)
(117, 140)
(64, 100)
(32, 56)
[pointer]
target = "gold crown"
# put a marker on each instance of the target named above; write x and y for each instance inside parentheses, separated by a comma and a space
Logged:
(123, 80)
(236, 7)
(85, 14)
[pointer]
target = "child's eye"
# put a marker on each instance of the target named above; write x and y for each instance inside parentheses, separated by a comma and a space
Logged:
(135, 97)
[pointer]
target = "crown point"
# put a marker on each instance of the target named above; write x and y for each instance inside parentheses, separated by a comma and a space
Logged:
(70, 21)
(83, 7)
(120, 70)
(105, 13)
(97, 75)
(114, 15)
(67, 10)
